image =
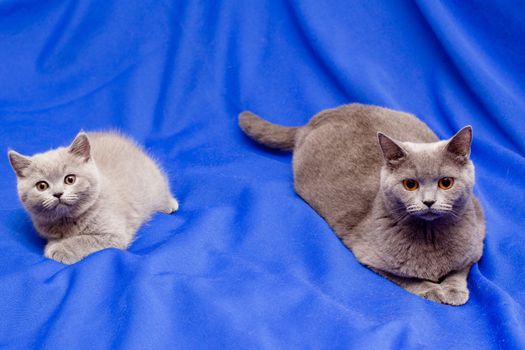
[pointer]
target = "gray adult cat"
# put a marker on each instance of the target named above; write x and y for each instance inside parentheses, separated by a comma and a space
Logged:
(402, 203)
(92, 195)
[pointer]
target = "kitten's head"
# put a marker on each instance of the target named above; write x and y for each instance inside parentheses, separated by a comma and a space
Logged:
(427, 180)
(60, 183)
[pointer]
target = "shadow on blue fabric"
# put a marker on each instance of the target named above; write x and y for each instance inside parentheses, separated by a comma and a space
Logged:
(246, 263)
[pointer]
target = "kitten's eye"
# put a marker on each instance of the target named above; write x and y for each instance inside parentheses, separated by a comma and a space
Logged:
(70, 179)
(410, 184)
(41, 186)
(446, 183)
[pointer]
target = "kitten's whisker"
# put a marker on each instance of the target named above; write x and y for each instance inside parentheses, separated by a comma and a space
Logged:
(47, 203)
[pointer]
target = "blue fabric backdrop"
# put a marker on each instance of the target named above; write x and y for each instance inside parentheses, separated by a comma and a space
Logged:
(246, 263)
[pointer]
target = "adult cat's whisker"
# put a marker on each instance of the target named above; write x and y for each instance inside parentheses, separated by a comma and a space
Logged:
(454, 214)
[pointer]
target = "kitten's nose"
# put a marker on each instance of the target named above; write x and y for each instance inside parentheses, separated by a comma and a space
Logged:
(58, 194)
(429, 203)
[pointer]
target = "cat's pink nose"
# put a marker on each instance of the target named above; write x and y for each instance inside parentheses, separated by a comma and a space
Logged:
(428, 203)
(58, 194)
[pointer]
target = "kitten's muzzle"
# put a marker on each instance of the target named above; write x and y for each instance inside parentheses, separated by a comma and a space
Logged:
(58, 194)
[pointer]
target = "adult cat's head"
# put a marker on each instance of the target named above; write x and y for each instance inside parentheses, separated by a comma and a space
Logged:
(60, 183)
(427, 181)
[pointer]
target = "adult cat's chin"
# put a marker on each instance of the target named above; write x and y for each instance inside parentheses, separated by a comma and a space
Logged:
(430, 214)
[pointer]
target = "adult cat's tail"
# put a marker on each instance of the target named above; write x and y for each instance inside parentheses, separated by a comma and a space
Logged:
(266, 133)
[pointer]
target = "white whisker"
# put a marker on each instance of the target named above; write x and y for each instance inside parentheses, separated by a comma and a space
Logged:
(47, 203)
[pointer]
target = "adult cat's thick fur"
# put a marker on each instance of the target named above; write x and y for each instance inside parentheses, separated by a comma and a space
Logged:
(425, 239)
(91, 195)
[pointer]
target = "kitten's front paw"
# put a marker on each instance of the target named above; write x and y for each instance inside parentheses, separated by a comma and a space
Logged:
(57, 251)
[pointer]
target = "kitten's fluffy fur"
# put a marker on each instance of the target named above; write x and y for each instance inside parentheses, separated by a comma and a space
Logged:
(352, 175)
(116, 188)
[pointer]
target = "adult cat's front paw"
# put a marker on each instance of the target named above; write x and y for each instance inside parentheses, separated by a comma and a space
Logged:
(431, 291)
(455, 295)
(444, 294)
(59, 252)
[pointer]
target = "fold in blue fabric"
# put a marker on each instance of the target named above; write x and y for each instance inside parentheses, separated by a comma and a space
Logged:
(246, 263)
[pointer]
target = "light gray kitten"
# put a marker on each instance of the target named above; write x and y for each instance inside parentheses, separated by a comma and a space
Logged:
(92, 195)
(402, 203)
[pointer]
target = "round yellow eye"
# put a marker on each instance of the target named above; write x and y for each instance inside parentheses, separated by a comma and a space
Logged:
(70, 179)
(410, 184)
(41, 186)
(446, 183)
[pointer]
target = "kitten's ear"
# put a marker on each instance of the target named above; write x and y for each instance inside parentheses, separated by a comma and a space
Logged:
(392, 152)
(18, 162)
(459, 144)
(80, 146)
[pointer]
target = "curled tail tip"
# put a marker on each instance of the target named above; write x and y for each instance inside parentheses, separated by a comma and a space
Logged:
(246, 118)
(266, 133)
(245, 114)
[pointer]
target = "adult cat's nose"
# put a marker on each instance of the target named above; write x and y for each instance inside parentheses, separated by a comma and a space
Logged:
(429, 203)
(58, 194)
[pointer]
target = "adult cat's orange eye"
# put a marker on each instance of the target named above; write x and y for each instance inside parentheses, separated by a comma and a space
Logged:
(41, 186)
(410, 184)
(446, 183)
(70, 179)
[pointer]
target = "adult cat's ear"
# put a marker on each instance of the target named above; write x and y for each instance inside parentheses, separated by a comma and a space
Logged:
(392, 152)
(80, 146)
(18, 162)
(459, 145)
